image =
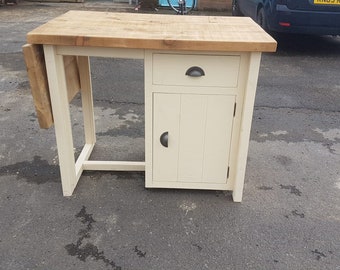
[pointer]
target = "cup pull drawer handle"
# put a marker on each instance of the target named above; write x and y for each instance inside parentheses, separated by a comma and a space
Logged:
(164, 139)
(195, 72)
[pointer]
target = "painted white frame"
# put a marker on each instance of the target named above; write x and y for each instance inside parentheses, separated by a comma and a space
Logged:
(72, 169)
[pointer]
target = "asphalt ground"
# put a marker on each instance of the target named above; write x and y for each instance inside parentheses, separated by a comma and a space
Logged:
(290, 214)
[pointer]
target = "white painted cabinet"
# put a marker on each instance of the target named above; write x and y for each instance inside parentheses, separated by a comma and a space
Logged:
(197, 125)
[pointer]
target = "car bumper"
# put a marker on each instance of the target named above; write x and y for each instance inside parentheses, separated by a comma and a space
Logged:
(305, 22)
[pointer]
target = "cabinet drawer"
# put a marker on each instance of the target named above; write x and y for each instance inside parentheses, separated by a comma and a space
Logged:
(219, 70)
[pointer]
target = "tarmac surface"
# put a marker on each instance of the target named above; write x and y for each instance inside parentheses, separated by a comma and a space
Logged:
(290, 214)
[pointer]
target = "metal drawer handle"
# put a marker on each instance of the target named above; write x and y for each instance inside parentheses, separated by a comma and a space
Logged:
(164, 139)
(195, 72)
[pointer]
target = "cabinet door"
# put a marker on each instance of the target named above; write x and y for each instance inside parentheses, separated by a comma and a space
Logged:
(199, 131)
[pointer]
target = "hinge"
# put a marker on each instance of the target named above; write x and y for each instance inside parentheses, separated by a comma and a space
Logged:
(234, 109)
(228, 172)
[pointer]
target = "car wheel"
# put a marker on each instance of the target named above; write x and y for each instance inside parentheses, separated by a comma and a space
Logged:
(235, 9)
(261, 19)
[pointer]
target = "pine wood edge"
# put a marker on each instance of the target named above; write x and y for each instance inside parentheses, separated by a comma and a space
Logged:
(37, 75)
(36, 70)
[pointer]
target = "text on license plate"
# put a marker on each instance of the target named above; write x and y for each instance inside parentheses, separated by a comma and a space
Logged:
(327, 2)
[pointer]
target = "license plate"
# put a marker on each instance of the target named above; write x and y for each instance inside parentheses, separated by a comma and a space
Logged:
(327, 2)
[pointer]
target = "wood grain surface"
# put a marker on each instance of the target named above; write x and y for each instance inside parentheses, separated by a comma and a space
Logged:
(150, 31)
(36, 70)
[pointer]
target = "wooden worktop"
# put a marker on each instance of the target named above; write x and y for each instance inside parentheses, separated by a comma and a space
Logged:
(150, 31)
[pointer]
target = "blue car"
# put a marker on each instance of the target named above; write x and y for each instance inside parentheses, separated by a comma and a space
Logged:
(316, 17)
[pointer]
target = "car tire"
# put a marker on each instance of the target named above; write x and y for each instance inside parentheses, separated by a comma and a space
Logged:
(261, 19)
(235, 9)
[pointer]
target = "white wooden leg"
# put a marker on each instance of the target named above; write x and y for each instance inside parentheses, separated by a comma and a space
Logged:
(88, 114)
(87, 99)
(61, 115)
(247, 116)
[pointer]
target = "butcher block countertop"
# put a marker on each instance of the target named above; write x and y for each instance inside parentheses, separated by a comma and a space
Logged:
(150, 31)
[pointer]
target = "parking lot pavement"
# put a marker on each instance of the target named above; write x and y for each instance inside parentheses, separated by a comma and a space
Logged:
(290, 214)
